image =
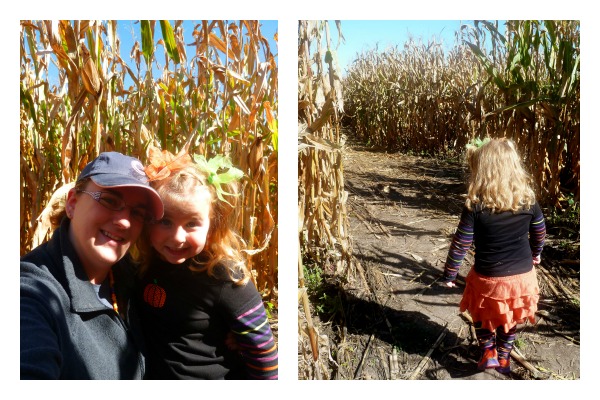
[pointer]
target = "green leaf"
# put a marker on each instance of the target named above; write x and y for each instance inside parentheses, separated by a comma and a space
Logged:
(147, 41)
(492, 28)
(492, 72)
(574, 74)
(32, 49)
(275, 139)
(551, 29)
(169, 38)
(28, 103)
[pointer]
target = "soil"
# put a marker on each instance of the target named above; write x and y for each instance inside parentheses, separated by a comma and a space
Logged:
(389, 317)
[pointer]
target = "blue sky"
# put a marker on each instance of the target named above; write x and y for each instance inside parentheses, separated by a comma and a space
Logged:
(367, 34)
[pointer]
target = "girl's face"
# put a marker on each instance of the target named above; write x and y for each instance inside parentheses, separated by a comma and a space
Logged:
(183, 230)
(100, 236)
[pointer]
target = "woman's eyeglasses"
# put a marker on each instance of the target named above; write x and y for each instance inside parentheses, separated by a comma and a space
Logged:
(115, 203)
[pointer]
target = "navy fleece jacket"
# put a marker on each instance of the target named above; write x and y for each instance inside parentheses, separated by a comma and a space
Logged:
(66, 332)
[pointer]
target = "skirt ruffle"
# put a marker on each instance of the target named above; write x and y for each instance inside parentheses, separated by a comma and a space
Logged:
(501, 301)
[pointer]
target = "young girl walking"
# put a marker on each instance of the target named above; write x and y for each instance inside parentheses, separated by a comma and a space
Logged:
(505, 223)
(195, 291)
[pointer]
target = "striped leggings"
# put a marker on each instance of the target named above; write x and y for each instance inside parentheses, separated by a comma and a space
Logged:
(504, 341)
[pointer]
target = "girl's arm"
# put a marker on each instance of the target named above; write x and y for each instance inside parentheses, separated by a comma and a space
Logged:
(255, 342)
(461, 243)
(537, 233)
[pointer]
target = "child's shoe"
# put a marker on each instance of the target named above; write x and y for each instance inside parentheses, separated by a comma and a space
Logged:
(489, 359)
(504, 367)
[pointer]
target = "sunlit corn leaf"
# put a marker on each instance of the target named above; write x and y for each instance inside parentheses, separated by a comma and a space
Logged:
(169, 40)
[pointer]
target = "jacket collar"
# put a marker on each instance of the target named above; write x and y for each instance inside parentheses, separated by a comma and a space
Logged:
(78, 286)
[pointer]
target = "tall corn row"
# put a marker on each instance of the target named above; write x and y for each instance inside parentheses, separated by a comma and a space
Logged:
(323, 229)
(524, 86)
(407, 99)
(537, 80)
(221, 99)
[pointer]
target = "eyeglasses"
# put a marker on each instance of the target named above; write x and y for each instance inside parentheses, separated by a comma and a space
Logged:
(115, 203)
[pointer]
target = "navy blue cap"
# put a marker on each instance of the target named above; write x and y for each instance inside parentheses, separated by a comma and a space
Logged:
(116, 170)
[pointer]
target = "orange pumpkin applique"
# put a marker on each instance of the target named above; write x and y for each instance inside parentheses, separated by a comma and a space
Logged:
(155, 295)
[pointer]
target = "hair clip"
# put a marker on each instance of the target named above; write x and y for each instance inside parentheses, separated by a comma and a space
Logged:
(162, 163)
(211, 168)
(477, 143)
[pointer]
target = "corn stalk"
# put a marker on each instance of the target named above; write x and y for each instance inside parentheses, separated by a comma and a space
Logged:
(323, 228)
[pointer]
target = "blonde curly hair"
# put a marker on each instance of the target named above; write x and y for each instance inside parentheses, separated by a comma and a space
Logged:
(223, 245)
(498, 181)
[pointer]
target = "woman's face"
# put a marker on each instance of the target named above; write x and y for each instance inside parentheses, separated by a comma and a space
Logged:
(182, 232)
(102, 237)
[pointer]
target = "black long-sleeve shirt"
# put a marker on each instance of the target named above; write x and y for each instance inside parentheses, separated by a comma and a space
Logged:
(505, 242)
(186, 317)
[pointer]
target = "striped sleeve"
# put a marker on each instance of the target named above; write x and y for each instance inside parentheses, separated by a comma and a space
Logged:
(461, 243)
(256, 343)
(537, 232)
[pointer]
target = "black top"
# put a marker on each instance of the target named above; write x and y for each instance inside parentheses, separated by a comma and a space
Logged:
(186, 316)
(502, 240)
(505, 242)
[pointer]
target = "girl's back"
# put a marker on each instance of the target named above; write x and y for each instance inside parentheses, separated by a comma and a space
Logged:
(502, 244)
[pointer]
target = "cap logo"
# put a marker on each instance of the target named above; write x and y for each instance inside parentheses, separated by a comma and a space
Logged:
(137, 171)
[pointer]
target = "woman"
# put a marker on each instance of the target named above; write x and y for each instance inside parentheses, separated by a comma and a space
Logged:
(76, 319)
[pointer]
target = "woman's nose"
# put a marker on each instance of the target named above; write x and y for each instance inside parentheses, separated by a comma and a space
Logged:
(123, 217)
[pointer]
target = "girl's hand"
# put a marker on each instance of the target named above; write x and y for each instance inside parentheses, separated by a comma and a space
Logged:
(450, 284)
(537, 260)
(230, 342)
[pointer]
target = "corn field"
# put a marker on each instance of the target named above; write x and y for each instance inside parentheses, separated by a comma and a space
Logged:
(523, 84)
(323, 223)
(218, 94)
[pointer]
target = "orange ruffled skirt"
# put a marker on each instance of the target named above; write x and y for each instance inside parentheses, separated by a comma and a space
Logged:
(501, 301)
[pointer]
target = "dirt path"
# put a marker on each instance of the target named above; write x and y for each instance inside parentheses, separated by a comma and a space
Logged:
(396, 320)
